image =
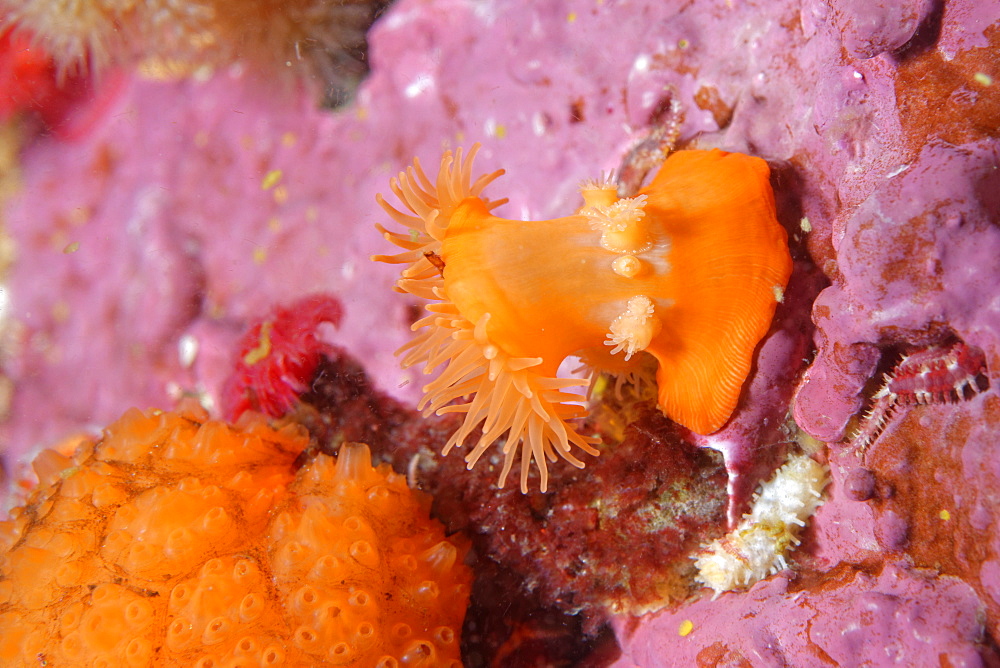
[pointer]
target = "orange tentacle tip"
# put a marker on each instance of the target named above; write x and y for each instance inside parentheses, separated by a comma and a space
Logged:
(689, 272)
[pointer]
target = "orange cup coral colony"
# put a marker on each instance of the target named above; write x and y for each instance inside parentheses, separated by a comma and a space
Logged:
(179, 541)
(688, 273)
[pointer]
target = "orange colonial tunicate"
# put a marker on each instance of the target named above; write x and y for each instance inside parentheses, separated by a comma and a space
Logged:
(687, 274)
(176, 540)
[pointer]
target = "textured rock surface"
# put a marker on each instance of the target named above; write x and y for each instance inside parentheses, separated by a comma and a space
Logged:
(617, 536)
(198, 205)
(897, 616)
(905, 276)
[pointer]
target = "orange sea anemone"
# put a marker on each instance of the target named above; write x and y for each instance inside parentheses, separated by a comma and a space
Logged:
(689, 271)
(176, 540)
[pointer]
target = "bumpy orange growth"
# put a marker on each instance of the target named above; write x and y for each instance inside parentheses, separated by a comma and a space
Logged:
(689, 272)
(180, 541)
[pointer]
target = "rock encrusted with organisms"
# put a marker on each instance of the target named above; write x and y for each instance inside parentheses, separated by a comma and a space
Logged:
(895, 615)
(758, 546)
(176, 540)
(916, 269)
(616, 538)
(935, 485)
(888, 161)
(868, 29)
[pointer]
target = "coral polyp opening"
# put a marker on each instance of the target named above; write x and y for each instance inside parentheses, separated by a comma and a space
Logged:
(686, 272)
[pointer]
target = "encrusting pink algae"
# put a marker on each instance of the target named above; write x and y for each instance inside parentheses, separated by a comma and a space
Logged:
(193, 192)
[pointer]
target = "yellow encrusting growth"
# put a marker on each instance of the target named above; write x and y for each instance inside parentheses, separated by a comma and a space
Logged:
(683, 272)
(270, 179)
(263, 348)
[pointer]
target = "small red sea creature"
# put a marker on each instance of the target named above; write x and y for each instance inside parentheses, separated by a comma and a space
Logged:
(29, 81)
(56, 100)
(278, 358)
(939, 374)
(324, 40)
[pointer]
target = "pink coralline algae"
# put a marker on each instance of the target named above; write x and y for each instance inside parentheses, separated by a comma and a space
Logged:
(149, 243)
(898, 616)
(868, 29)
(912, 242)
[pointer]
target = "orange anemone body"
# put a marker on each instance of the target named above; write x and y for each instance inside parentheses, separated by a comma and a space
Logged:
(688, 271)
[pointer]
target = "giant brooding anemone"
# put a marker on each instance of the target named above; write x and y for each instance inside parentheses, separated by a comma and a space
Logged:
(687, 273)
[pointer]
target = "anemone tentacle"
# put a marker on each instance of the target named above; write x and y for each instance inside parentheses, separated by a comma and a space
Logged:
(509, 395)
(538, 414)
